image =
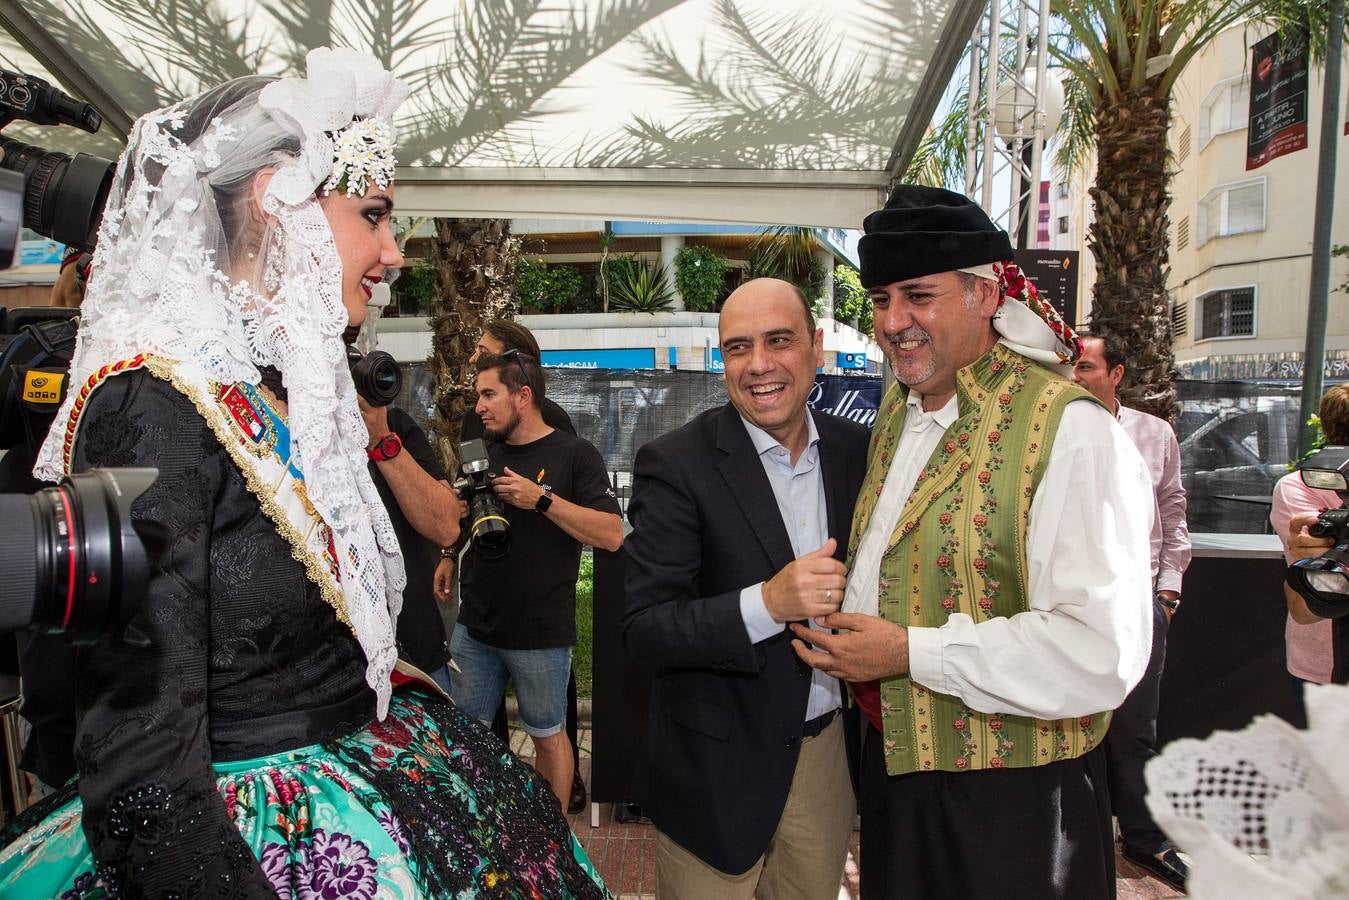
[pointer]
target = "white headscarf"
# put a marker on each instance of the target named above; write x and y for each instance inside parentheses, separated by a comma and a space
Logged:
(1028, 324)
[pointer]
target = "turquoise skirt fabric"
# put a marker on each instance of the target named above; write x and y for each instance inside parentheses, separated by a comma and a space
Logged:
(423, 804)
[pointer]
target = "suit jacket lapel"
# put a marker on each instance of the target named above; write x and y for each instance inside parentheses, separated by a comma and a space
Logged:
(748, 484)
(838, 511)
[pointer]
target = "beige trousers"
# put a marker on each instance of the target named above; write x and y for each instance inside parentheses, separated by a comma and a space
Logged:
(804, 860)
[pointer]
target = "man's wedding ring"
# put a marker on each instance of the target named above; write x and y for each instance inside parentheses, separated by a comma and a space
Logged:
(828, 594)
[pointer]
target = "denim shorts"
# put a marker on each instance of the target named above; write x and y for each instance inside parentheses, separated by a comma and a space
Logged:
(540, 679)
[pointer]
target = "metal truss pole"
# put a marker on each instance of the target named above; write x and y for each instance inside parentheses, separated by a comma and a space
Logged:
(1014, 162)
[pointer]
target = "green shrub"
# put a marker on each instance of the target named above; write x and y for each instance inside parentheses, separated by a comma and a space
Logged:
(850, 299)
(700, 275)
(413, 291)
(545, 288)
(619, 268)
(583, 654)
(637, 286)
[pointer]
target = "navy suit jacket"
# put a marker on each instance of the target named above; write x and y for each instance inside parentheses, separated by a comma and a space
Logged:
(726, 715)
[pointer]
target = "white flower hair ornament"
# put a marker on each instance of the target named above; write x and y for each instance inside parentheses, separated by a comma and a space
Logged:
(343, 111)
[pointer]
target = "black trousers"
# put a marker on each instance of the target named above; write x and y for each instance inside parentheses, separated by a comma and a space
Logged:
(1131, 742)
(1035, 833)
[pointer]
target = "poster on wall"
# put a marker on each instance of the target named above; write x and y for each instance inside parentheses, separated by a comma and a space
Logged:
(1278, 112)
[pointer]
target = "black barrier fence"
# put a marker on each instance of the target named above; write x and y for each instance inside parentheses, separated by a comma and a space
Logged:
(1236, 437)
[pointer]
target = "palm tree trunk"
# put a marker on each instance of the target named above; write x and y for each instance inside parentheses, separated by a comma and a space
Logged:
(1129, 240)
(474, 261)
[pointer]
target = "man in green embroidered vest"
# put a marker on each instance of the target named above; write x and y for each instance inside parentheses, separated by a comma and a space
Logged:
(997, 605)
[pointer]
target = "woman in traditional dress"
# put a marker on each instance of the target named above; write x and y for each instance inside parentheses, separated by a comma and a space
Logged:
(243, 739)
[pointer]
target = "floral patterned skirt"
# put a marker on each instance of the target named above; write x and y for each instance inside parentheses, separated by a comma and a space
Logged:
(423, 804)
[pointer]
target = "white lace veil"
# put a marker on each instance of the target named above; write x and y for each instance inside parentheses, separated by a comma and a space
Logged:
(187, 269)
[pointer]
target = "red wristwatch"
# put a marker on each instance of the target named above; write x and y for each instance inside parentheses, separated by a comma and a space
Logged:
(388, 447)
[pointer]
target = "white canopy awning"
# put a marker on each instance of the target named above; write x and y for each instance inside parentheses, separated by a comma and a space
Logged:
(719, 111)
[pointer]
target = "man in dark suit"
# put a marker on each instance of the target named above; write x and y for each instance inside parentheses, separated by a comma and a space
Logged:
(739, 524)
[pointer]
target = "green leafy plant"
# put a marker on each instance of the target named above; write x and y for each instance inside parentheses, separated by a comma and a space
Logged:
(700, 275)
(546, 288)
(639, 286)
(787, 252)
(1318, 441)
(415, 288)
(851, 302)
(583, 655)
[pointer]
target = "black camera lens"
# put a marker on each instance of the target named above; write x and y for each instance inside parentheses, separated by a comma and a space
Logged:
(489, 529)
(63, 195)
(376, 374)
(72, 562)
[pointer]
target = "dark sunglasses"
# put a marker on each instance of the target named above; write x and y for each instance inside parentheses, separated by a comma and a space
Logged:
(520, 356)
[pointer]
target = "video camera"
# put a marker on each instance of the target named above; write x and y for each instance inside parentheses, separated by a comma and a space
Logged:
(1323, 581)
(57, 195)
(71, 559)
(488, 530)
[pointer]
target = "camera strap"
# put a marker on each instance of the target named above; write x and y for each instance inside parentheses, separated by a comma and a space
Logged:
(43, 363)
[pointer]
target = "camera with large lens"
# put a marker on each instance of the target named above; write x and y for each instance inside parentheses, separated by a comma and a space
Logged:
(71, 560)
(376, 374)
(1323, 581)
(488, 529)
(57, 195)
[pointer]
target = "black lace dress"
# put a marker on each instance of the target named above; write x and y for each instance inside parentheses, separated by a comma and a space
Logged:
(228, 747)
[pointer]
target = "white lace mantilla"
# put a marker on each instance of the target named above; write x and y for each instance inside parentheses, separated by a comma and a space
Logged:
(1264, 812)
(163, 284)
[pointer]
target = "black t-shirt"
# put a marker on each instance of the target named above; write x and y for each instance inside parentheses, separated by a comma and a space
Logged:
(421, 630)
(526, 600)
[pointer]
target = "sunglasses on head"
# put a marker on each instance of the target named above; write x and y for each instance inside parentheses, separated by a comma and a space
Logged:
(519, 356)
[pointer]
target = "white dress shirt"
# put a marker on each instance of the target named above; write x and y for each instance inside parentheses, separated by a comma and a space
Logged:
(799, 491)
(1084, 641)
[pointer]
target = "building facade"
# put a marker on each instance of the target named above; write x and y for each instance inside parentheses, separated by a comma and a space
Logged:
(1241, 240)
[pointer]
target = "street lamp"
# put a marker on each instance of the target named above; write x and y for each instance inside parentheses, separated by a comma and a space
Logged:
(1015, 119)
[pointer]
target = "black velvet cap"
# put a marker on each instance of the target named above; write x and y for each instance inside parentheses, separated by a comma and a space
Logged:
(924, 230)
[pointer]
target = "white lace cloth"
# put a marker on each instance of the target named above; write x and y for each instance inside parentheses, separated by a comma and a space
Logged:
(1270, 791)
(165, 281)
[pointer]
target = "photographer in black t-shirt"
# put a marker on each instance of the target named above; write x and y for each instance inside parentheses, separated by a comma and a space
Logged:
(425, 513)
(518, 613)
(499, 336)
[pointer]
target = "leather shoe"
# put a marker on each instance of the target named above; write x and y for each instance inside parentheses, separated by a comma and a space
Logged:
(577, 801)
(1169, 867)
(630, 814)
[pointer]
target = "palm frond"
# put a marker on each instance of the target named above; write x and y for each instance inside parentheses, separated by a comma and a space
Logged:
(939, 160)
(765, 90)
(395, 30)
(195, 43)
(101, 53)
(1084, 30)
(513, 53)
(306, 26)
(1076, 136)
